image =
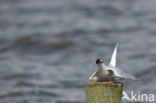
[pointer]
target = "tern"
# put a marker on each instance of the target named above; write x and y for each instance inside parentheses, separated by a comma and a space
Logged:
(111, 72)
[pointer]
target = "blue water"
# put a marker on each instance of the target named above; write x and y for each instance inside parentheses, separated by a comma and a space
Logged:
(91, 28)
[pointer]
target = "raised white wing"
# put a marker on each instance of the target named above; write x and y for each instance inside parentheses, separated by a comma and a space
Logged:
(113, 59)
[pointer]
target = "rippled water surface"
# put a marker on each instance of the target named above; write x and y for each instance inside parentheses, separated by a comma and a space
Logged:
(48, 48)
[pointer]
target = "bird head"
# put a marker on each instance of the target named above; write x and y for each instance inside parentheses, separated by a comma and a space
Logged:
(99, 61)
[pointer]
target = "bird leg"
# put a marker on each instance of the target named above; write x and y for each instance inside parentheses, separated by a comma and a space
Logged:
(105, 81)
(110, 81)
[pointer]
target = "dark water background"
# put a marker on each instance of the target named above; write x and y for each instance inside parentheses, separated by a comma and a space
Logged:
(48, 48)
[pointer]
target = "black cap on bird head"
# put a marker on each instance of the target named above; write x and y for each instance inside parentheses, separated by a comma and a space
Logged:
(99, 61)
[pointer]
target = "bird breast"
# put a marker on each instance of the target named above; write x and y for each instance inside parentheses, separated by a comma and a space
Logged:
(103, 73)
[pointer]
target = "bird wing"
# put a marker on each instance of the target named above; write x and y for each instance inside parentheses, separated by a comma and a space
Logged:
(113, 59)
(119, 74)
(93, 76)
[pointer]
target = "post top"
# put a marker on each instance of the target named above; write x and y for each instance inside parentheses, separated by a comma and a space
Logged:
(104, 83)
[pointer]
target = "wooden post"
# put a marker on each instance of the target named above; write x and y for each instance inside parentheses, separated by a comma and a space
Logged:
(100, 92)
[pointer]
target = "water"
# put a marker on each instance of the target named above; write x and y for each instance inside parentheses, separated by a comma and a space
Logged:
(63, 40)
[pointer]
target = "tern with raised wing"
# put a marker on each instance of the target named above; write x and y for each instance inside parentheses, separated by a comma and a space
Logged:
(111, 72)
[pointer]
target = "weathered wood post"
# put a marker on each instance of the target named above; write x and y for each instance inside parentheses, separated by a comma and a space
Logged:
(101, 92)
